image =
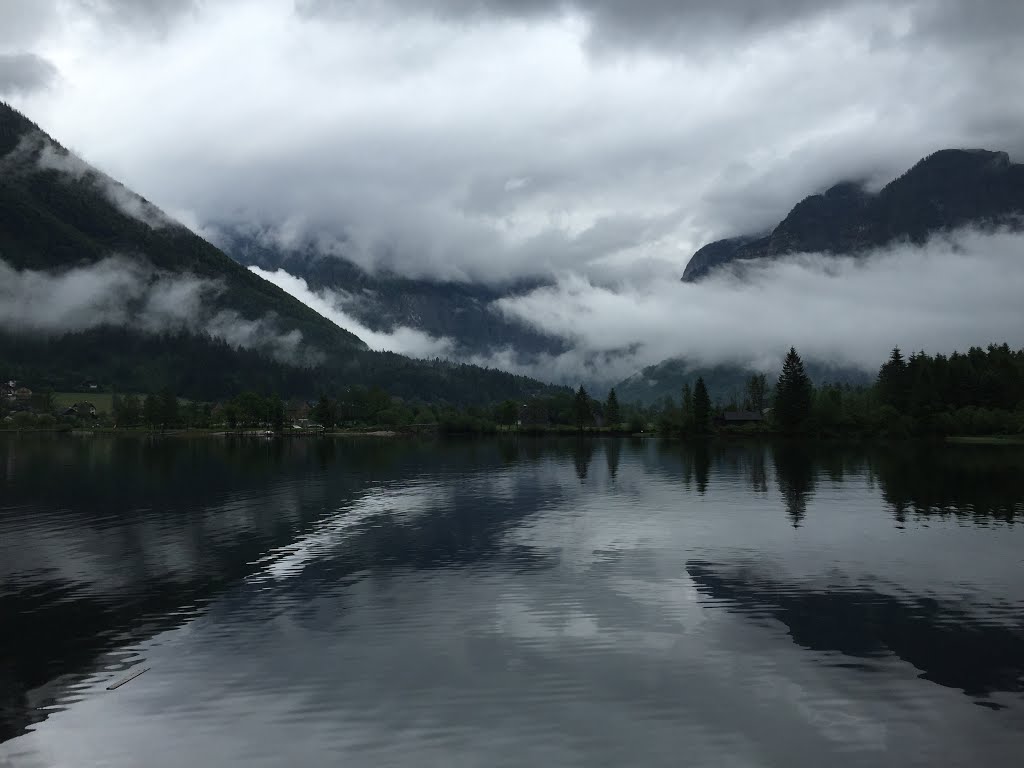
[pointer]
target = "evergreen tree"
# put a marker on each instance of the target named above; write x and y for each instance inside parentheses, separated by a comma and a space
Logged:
(507, 413)
(687, 409)
(612, 414)
(151, 411)
(893, 381)
(277, 414)
(168, 408)
(323, 412)
(582, 413)
(701, 408)
(793, 394)
(231, 416)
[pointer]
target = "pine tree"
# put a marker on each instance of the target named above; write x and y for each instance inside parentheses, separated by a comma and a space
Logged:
(893, 381)
(151, 411)
(687, 409)
(581, 409)
(168, 408)
(793, 394)
(701, 408)
(612, 414)
(277, 414)
(323, 412)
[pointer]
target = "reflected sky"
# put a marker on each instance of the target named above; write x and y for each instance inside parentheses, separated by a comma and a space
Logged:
(561, 602)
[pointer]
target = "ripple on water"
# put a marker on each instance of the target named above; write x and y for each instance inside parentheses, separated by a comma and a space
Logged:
(554, 603)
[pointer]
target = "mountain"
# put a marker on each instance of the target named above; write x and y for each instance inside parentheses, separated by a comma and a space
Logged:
(724, 382)
(57, 212)
(98, 285)
(384, 301)
(948, 189)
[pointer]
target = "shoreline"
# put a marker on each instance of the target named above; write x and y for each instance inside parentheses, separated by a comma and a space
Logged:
(436, 431)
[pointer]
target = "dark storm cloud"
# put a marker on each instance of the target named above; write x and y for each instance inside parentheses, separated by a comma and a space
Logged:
(695, 24)
(965, 22)
(24, 72)
(639, 20)
(24, 22)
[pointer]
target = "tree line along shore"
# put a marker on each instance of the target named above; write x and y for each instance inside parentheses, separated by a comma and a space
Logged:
(977, 394)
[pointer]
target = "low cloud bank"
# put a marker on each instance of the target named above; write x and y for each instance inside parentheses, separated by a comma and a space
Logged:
(403, 340)
(119, 292)
(953, 292)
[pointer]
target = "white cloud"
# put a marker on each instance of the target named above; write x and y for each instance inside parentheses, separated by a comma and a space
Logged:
(498, 143)
(53, 158)
(121, 292)
(403, 340)
(953, 293)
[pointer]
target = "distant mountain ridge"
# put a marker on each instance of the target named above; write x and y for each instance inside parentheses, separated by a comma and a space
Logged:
(461, 312)
(948, 189)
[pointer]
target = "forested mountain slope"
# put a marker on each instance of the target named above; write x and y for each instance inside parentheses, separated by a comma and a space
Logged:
(461, 312)
(98, 285)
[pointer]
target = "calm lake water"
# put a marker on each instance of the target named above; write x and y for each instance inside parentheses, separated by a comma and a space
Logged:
(489, 603)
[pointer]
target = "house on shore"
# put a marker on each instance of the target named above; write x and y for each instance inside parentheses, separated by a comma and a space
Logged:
(740, 418)
(81, 410)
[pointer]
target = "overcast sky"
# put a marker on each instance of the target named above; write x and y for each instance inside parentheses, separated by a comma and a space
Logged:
(488, 139)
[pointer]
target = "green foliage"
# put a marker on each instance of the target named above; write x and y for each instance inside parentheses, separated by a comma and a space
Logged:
(54, 221)
(507, 413)
(276, 413)
(151, 411)
(583, 414)
(127, 410)
(756, 393)
(893, 381)
(612, 412)
(686, 408)
(324, 412)
(168, 406)
(793, 395)
(701, 408)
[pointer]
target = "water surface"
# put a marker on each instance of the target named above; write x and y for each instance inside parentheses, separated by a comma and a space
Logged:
(531, 602)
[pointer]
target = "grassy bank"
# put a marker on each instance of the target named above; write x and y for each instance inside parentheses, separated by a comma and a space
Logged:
(987, 440)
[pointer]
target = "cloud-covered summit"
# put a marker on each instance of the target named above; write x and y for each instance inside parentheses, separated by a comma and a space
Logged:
(487, 140)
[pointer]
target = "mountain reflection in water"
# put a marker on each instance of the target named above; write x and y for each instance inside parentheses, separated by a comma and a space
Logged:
(496, 590)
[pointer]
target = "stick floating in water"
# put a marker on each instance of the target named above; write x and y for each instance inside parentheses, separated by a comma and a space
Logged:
(128, 679)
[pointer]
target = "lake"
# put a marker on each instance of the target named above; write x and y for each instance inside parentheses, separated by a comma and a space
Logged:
(375, 602)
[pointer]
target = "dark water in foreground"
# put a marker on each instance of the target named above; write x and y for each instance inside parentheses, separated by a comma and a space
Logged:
(374, 603)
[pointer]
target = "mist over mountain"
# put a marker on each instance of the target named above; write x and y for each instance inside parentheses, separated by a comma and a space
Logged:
(949, 189)
(98, 285)
(61, 223)
(454, 319)
(517, 185)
